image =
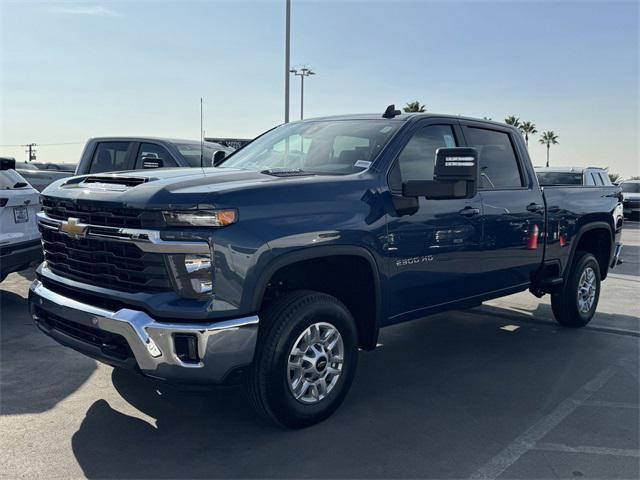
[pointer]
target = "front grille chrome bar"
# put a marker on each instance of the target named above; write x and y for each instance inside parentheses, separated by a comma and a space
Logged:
(145, 240)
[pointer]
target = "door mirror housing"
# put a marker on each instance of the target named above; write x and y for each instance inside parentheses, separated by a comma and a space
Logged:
(455, 176)
(218, 157)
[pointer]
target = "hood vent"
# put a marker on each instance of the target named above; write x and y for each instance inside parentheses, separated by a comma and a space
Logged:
(116, 180)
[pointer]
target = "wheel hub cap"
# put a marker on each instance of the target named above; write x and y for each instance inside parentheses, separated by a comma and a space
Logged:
(586, 290)
(315, 363)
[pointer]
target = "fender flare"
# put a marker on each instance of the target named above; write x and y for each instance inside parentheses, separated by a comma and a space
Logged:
(587, 228)
(311, 253)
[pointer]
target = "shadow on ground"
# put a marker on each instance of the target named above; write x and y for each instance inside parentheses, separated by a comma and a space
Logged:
(438, 399)
(32, 380)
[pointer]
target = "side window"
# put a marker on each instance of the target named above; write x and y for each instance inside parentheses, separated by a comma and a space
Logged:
(151, 151)
(498, 162)
(589, 180)
(605, 178)
(596, 178)
(110, 157)
(418, 158)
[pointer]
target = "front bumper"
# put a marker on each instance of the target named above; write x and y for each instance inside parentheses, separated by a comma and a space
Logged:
(15, 257)
(132, 339)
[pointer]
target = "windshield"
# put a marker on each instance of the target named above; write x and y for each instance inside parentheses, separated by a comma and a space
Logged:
(559, 178)
(191, 153)
(631, 187)
(337, 147)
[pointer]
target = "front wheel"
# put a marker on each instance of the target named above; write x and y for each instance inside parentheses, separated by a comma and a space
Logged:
(576, 304)
(305, 360)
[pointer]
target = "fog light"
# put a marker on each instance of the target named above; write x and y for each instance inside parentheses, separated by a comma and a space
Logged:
(186, 347)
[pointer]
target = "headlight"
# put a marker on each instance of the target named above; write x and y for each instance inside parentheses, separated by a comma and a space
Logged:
(201, 218)
(192, 275)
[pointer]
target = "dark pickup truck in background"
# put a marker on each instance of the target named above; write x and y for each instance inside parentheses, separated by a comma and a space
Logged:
(276, 267)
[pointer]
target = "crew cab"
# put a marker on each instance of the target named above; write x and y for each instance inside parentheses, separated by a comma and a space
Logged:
(275, 268)
(19, 236)
(112, 154)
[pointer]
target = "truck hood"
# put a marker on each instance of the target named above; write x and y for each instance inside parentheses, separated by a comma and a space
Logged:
(165, 188)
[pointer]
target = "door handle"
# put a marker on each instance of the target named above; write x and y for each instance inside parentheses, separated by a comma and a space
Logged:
(469, 211)
(535, 207)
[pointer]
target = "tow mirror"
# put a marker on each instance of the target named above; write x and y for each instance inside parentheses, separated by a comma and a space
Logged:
(455, 176)
(152, 162)
(218, 157)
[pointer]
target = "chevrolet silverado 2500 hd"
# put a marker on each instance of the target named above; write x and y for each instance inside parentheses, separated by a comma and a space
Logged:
(276, 267)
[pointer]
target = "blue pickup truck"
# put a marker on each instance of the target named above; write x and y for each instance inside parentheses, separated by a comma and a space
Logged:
(276, 267)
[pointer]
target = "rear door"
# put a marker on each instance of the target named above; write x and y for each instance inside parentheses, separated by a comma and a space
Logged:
(513, 209)
(431, 254)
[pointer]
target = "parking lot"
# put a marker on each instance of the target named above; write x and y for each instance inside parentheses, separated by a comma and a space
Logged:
(455, 395)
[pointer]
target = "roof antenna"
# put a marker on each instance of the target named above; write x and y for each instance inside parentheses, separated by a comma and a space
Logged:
(201, 139)
(391, 112)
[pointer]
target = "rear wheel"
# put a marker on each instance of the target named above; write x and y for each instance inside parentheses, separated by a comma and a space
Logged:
(576, 304)
(305, 359)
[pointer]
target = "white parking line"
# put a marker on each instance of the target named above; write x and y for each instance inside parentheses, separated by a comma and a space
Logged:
(560, 447)
(527, 441)
(604, 403)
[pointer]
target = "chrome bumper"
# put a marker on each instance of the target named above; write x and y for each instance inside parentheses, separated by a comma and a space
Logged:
(222, 346)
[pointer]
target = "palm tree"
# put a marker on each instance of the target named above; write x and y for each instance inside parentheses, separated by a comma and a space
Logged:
(528, 128)
(512, 120)
(548, 138)
(414, 107)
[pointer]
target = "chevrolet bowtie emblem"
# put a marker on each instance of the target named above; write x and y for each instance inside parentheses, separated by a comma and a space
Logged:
(73, 228)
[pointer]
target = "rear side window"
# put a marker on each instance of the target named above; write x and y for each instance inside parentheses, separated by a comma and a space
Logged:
(498, 162)
(152, 153)
(111, 157)
(605, 178)
(596, 179)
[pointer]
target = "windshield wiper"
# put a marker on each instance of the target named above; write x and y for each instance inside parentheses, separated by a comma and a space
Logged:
(286, 172)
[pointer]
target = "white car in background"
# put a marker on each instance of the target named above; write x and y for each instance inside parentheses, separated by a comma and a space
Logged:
(19, 236)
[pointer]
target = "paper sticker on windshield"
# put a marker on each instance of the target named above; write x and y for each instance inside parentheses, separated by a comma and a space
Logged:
(449, 141)
(362, 164)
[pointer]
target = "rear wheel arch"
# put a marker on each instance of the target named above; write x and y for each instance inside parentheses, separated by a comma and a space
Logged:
(349, 273)
(597, 239)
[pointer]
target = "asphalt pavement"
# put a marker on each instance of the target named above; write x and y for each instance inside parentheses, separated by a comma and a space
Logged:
(499, 391)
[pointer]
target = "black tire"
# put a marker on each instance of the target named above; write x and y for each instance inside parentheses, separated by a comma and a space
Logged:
(565, 305)
(281, 324)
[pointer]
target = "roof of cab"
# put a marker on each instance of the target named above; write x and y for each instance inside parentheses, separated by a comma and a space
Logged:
(402, 117)
(156, 139)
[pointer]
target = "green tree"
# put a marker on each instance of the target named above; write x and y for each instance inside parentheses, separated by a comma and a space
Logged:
(414, 107)
(512, 120)
(615, 178)
(548, 138)
(528, 128)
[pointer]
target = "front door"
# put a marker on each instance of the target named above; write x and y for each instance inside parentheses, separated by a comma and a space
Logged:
(431, 254)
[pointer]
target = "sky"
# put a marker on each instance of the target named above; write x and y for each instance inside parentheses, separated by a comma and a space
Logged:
(74, 70)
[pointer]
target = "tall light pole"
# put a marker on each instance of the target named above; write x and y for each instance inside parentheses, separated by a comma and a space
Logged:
(303, 72)
(287, 45)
